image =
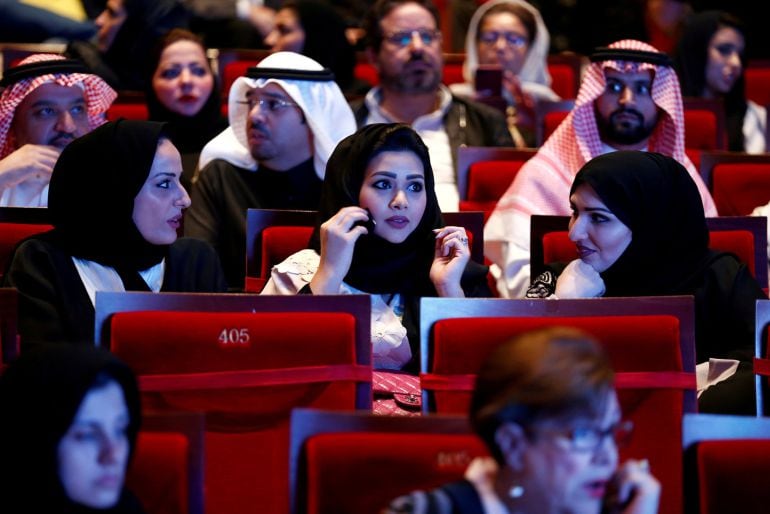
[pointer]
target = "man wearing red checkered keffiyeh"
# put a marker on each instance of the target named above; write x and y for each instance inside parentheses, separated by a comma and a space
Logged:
(629, 99)
(46, 102)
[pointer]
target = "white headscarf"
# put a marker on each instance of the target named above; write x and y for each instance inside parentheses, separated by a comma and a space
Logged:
(535, 67)
(327, 113)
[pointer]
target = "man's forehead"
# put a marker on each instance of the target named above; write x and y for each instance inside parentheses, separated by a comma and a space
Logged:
(408, 16)
(628, 77)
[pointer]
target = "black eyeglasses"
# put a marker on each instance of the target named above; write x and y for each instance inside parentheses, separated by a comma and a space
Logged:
(403, 38)
(511, 38)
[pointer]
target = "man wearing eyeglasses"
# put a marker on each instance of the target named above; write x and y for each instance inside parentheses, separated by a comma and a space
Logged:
(404, 44)
(47, 102)
(286, 116)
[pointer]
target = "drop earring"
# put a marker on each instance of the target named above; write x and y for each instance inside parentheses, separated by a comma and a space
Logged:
(517, 491)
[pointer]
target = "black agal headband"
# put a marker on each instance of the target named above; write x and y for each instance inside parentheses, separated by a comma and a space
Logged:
(623, 54)
(324, 75)
(36, 69)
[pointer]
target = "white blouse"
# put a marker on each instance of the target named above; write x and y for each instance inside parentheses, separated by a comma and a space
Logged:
(390, 346)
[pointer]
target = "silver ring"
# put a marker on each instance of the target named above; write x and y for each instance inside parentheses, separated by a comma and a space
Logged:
(464, 241)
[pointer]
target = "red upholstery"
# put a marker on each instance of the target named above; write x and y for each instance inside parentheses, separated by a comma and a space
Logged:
(351, 473)
(162, 456)
(129, 111)
(700, 129)
(11, 234)
(233, 70)
(634, 344)
(558, 248)
(280, 242)
(758, 84)
(246, 371)
(551, 121)
(694, 154)
(562, 80)
(487, 181)
(732, 476)
(740, 187)
(453, 73)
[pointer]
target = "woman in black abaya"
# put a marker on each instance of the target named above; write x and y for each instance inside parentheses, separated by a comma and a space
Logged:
(640, 230)
(70, 420)
(116, 204)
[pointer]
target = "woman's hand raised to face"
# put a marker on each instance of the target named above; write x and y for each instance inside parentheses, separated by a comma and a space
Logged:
(579, 280)
(338, 239)
(451, 255)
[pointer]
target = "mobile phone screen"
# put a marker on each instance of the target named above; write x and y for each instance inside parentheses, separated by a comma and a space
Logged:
(489, 81)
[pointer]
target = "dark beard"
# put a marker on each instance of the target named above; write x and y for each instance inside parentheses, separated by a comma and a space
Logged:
(412, 80)
(623, 132)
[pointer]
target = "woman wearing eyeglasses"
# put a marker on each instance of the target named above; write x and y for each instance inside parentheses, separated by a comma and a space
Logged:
(545, 406)
(511, 35)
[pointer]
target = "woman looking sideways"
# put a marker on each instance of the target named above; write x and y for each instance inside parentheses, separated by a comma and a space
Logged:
(116, 205)
(639, 228)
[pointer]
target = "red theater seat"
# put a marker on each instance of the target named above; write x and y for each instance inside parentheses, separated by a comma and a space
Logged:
(348, 463)
(245, 361)
(170, 450)
(727, 462)
(484, 173)
(649, 341)
(758, 81)
(738, 181)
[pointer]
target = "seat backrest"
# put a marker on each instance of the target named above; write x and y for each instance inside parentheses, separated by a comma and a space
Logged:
(232, 63)
(740, 187)
(548, 116)
(170, 450)
(726, 463)
(17, 223)
(349, 463)
(278, 243)
(565, 69)
(257, 220)
(704, 124)
(745, 236)
(490, 183)
(9, 332)
(245, 361)
(650, 342)
(757, 77)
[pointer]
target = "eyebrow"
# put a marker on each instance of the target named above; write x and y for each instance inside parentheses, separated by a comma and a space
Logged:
(45, 102)
(393, 174)
(277, 96)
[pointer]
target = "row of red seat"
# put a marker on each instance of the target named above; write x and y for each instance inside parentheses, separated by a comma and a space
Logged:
(246, 361)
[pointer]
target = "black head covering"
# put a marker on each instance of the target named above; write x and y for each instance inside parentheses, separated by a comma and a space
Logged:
(655, 197)
(40, 394)
(92, 191)
(325, 39)
(691, 58)
(188, 133)
(380, 266)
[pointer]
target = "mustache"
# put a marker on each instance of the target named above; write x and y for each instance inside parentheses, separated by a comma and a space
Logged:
(632, 112)
(61, 137)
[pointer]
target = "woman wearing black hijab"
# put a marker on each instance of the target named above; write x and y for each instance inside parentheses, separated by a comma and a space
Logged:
(639, 228)
(382, 173)
(183, 91)
(116, 204)
(70, 420)
(710, 61)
